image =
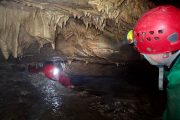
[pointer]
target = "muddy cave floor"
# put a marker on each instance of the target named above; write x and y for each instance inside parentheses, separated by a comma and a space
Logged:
(25, 96)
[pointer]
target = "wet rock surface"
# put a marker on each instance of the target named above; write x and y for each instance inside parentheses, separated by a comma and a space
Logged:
(25, 96)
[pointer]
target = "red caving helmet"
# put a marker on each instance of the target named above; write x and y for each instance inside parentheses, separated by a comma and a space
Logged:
(51, 71)
(158, 30)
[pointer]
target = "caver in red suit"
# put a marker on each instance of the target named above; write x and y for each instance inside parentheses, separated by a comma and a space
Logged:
(55, 73)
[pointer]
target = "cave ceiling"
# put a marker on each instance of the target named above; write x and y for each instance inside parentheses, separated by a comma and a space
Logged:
(90, 30)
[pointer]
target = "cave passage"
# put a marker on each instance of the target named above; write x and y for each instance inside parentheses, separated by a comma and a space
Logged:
(128, 96)
(87, 38)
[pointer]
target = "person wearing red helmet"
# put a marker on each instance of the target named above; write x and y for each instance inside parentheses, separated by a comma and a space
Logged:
(55, 73)
(156, 36)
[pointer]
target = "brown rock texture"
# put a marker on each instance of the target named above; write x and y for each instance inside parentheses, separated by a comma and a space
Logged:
(76, 30)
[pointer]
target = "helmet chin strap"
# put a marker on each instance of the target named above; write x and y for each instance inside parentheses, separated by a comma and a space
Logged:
(161, 78)
(161, 65)
(161, 71)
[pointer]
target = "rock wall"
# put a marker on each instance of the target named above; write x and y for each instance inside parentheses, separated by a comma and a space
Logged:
(75, 28)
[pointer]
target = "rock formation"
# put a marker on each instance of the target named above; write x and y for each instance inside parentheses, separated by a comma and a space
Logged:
(88, 31)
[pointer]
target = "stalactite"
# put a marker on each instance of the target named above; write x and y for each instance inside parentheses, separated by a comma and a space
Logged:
(43, 21)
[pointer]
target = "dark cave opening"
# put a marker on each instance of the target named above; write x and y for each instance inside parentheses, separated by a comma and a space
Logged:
(166, 2)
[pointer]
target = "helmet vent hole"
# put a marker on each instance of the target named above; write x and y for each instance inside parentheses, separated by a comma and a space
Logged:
(173, 37)
(143, 33)
(151, 32)
(156, 38)
(148, 49)
(138, 34)
(142, 40)
(160, 31)
(149, 39)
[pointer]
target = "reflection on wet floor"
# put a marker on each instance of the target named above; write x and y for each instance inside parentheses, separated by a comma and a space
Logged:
(25, 96)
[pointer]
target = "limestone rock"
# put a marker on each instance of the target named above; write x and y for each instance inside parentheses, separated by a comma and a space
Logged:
(83, 28)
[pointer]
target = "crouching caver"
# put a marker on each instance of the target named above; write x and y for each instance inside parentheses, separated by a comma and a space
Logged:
(55, 73)
(156, 36)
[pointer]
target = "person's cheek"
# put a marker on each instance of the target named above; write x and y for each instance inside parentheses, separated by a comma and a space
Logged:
(156, 58)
